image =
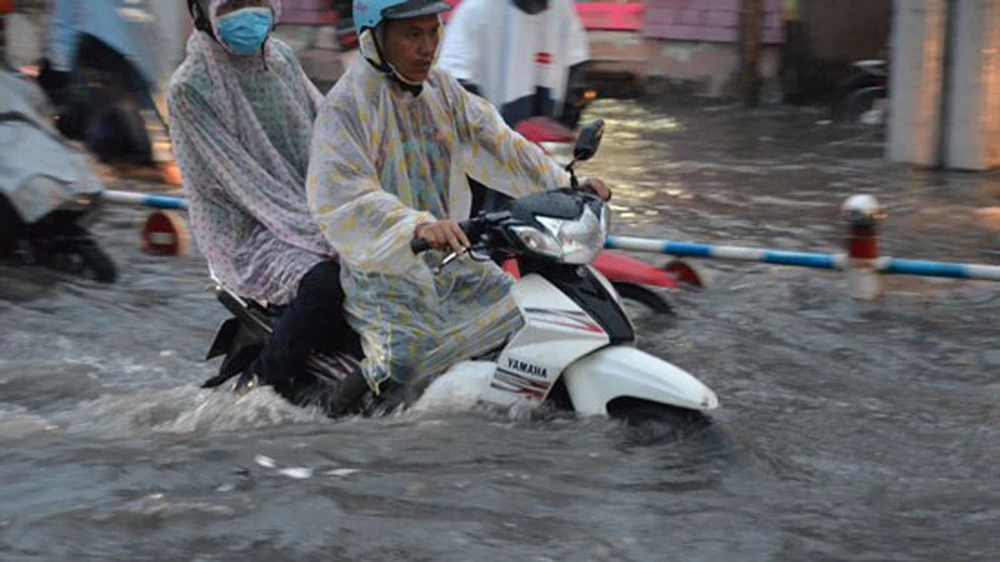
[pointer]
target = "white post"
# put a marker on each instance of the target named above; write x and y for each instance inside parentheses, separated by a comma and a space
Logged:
(972, 132)
(862, 213)
(919, 35)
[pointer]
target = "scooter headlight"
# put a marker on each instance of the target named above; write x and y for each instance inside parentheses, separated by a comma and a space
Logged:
(568, 241)
(538, 241)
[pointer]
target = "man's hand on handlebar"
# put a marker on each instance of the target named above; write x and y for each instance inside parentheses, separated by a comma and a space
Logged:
(598, 187)
(443, 235)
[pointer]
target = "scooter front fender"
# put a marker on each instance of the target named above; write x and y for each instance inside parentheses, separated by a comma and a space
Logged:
(625, 372)
(619, 268)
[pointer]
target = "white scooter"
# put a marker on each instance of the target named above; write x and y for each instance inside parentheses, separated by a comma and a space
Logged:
(576, 348)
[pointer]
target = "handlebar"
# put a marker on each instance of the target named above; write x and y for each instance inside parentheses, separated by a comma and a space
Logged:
(420, 245)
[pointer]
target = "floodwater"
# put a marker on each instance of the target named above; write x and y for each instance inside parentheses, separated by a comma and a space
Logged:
(847, 431)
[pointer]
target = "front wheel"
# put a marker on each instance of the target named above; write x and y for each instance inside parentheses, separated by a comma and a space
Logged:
(636, 411)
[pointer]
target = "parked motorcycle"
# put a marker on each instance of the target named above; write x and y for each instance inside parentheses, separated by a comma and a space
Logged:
(576, 350)
(862, 97)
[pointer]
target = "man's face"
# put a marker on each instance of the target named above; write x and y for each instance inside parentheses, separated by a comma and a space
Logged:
(233, 5)
(411, 44)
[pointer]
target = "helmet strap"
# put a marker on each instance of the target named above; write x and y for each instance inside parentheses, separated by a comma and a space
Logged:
(383, 65)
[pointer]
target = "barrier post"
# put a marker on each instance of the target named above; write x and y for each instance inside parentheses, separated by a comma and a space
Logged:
(862, 214)
(165, 233)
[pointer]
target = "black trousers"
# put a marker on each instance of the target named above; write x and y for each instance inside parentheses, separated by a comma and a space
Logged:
(10, 226)
(314, 320)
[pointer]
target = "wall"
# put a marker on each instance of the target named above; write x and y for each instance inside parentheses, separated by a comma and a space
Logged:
(715, 21)
(710, 69)
(807, 45)
(694, 44)
(847, 30)
(991, 68)
(918, 52)
(946, 84)
(972, 89)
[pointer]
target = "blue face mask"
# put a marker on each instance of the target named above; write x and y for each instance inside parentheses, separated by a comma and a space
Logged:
(244, 31)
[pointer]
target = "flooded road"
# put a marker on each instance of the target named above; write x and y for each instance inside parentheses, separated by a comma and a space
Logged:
(846, 431)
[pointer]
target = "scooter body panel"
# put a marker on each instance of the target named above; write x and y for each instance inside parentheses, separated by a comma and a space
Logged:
(556, 333)
(625, 372)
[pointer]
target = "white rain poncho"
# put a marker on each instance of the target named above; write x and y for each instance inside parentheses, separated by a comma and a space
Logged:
(383, 161)
(241, 131)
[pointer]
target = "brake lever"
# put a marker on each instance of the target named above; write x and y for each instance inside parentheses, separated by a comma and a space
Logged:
(476, 252)
(447, 261)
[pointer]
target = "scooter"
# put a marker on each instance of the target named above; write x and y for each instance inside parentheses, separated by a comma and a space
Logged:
(576, 350)
(632, 278)
(48, 193)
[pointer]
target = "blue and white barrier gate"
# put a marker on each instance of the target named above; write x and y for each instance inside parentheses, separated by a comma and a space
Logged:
(734, 253)
(885, 265)
(144, 199)
(860, 260)
(164, 231)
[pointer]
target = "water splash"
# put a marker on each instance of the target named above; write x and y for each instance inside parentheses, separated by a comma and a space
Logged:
(457, 390)
(185, 410)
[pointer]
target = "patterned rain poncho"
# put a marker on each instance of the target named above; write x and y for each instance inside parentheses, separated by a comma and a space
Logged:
(383, 161)
(241, 128)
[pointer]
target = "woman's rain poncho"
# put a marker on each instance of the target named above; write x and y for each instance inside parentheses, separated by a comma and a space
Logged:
(241, 128)
(383, 161)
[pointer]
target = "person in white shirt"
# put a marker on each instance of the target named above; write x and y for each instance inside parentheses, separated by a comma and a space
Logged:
(521, 55)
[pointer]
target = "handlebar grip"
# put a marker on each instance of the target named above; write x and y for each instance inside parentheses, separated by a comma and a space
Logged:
(419, 245)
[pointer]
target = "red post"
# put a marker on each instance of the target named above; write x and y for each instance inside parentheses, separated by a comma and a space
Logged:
(862, 214)
(165, 233)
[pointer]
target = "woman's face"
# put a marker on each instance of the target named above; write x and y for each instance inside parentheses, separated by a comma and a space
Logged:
(233, 5)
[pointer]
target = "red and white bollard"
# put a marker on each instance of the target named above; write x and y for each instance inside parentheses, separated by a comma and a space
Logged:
(165, 233)
(863, 213)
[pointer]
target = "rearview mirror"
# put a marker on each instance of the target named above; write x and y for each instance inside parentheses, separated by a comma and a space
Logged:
(589, 141)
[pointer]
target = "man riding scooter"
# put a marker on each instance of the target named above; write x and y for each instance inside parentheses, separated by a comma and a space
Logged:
(392, 141)
(242, 113)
